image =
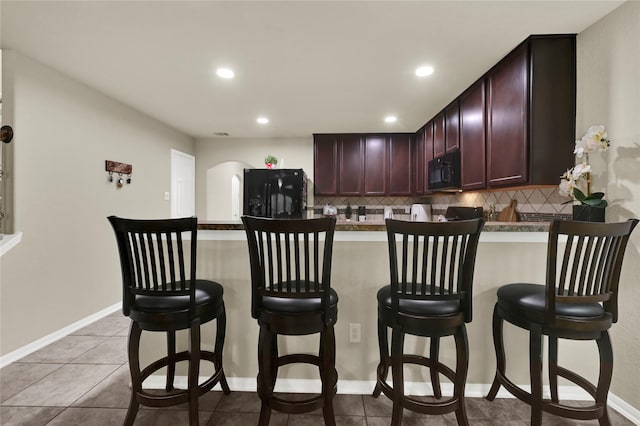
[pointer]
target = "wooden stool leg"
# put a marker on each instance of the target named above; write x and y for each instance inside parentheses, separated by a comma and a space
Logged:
(434, 356)
(265, 375)
(462, 367)
(604, 377)
(535, 371)
(553, 368)
(194, 371)
(275, 354)
(171, 355)
(498, 344)
(328, 373)
(383, 367)
(221, 326)
(397, 344)
(134, 368)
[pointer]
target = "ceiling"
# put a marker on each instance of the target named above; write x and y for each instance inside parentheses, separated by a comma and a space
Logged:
(309, 66)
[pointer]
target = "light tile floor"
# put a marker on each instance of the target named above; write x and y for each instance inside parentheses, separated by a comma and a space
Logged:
(83, 379)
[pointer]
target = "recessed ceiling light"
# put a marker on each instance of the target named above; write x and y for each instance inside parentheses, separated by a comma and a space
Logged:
(390, 119)
(262, 120)
(424, 71)
(225, 73)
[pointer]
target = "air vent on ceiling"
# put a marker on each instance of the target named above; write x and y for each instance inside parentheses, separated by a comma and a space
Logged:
(220, 134)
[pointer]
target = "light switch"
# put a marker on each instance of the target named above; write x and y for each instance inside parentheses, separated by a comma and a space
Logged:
(167, 196)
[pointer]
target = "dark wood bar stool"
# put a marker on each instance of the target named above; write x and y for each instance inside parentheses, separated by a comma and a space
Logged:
(430, 295)
(291, 294)
(579, 301)
(161, 293)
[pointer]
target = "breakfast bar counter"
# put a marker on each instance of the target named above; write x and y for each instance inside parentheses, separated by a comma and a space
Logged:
(507, 252)
(379, 226)
(375, 231)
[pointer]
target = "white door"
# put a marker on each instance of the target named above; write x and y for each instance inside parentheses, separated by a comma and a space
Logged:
(183, 177)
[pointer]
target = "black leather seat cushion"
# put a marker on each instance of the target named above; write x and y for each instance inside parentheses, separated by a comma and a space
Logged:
(419, 307)
(530, 299)
(297, 305)
(207, 292)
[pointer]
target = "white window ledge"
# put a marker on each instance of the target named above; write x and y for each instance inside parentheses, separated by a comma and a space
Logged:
(9, 241)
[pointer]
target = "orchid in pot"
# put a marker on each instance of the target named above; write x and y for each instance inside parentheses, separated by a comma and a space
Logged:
(576, 182)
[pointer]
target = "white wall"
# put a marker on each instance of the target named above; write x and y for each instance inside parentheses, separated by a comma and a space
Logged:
(292, 154)
(66, 267)
(608, 86)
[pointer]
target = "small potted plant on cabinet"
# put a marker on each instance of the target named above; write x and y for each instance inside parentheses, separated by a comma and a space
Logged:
(270, 161)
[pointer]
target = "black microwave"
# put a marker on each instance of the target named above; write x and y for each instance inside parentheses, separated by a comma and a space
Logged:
(444, 172)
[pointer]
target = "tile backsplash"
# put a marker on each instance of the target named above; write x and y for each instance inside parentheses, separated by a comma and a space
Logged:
(534, 204)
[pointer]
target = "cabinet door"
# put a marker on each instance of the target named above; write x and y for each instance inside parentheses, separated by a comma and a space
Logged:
(400, 165)
(438, 135)
(452, 127)
(428, 154)
(325, 164)
(419, 165)
(472, 137)
(507, 121)
(375, 165)
(351, 160)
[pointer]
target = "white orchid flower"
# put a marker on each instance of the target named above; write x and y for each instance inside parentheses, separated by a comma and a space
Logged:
(566, 188)
(580, 170)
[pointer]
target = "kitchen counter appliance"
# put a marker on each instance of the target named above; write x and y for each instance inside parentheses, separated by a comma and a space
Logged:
(421, 213)
(275, 193)
(463, 213)
(444, 172)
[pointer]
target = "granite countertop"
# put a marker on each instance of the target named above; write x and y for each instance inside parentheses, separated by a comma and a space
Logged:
(379, 226)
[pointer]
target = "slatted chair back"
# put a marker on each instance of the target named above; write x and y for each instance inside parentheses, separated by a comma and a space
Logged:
(157, 258)
(587, 269)
(290, 258)
(433, 261)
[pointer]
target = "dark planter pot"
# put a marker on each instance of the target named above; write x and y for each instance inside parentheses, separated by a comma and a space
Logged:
(587, 213)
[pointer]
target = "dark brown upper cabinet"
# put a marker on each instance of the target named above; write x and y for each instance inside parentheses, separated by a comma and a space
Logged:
(472, 137)
(364, 164)
(419, 165)
(400, 165)
(375, 165)
(423, 153)
(531, 97)
(514, 126)
(439, 135)
(452, 127)
(507, 121)
(350, 168)
(325, 160)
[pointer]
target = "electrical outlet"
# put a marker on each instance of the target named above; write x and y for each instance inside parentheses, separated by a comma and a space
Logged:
(407, 209)
(354, 332)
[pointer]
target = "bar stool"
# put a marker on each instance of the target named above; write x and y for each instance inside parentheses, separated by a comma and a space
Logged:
(161, 293)
(430, 295)
(291, 294)
(579, 301)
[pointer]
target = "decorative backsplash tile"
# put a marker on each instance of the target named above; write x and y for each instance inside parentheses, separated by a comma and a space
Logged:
(533, 204)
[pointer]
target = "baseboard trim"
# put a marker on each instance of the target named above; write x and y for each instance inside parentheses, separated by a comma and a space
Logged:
(57, 335)
(365, 387)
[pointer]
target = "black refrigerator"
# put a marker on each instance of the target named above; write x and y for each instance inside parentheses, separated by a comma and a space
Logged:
(275, 193)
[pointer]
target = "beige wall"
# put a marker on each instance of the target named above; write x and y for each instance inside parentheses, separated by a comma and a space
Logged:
(609, 94)
(66, 267)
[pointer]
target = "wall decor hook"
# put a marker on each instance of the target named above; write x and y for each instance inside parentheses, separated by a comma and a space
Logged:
(6, 134)
(121, 169)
